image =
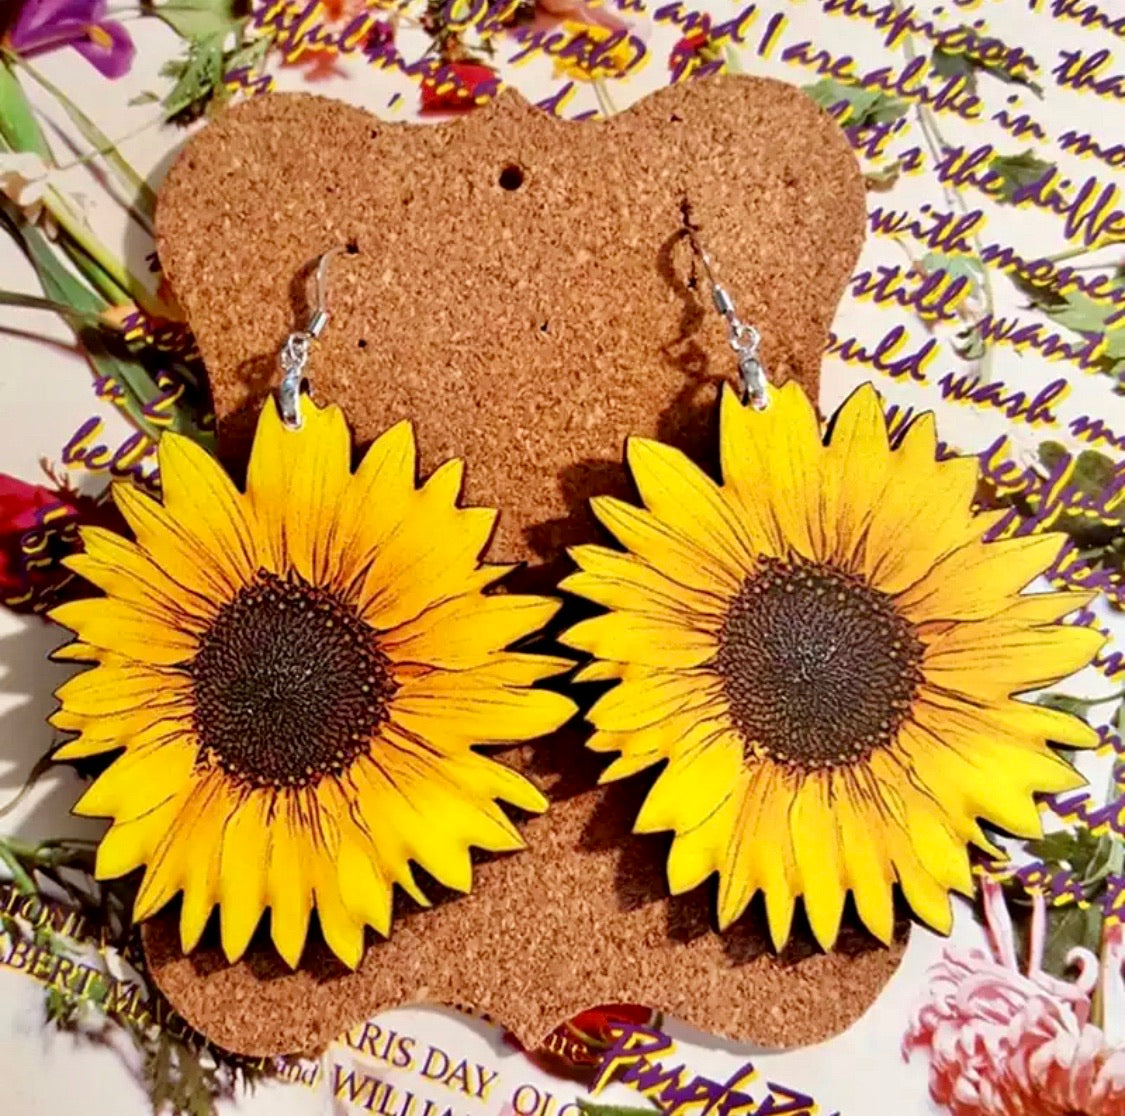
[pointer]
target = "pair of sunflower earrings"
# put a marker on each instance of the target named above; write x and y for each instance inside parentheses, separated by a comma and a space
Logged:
(821, 650)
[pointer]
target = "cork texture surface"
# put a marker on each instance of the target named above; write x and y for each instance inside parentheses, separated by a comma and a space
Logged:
(520, 287)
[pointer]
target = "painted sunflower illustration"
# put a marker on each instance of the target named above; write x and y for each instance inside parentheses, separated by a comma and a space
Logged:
(824, 650)
(297, 676)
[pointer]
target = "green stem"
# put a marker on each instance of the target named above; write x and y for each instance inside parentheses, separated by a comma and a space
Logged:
(124, 287)
(937, 143)
(32, 302)
(11, 861)
(1070, 253)
(605, 102)
(145, 205)
(42, 766)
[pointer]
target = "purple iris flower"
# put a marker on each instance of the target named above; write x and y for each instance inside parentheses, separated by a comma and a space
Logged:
(46, 25)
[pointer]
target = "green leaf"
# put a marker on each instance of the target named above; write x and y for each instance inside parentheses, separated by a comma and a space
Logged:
(1068, 927)
(1017, 171)
(201, 76)
(589, 1108)
(957, 267)
(1072, 848)
(199, 19)
(144, 196)
(1064, 703)
(143, 99)
(1093, 472)
(882, 178)
(949, 64)
(18, 127)
(197, 78)
(60, 285)
(964, 267)
(854, 106)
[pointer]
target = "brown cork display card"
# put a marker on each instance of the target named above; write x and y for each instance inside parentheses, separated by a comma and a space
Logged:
(519, 286)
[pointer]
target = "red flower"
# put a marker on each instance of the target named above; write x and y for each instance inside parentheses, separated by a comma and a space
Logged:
(576, 1048)
(38, 528)
(456, 86)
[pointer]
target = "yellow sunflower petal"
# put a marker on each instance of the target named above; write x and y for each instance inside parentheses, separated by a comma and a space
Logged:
(138, 779)
(979, 778)
(815, 831)
(680, 494)
(159, 887)
(126, 630)
(675, 555)
(119, 685)
(1014, 720)
(294, 485)
(637, 703)
(428, 556)
(636, 587)
(76, 651)
(635, 638)
(388, 818)
(978, 580)
(632, 758)
(342, 932)
(203, 501)
(771, 463)
(1043, 608)
(186, 557)
(928, 899)
(940, 852)
(697, 782)
(132, 729)
(129, 844)
(379, 498)
(864, 853)
(516, 669)
(289, 879)
(467, 631)
(853, 474)
(119, 568)
(907, 536)
(364, 891)
(450, 707)
(991, 661)
(699, 852)
(243, 857)
(761, 854)
(599, 670)
(196, 836)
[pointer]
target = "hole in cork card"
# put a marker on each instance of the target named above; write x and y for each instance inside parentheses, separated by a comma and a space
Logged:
(511, 177)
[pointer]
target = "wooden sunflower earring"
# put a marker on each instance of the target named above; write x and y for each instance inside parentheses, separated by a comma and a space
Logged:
(825, 652)
(295, 677)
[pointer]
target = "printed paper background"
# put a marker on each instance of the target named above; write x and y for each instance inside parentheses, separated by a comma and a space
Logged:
(991, 289)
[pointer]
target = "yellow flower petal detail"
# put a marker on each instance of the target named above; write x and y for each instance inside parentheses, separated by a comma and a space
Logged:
(848, 497)
(297, 679)
(825, 655)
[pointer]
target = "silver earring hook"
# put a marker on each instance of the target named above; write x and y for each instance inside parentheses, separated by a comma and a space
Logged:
(743, 338)
(294, 355)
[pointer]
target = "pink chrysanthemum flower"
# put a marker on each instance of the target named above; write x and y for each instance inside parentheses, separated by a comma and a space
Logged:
(1006, 1043)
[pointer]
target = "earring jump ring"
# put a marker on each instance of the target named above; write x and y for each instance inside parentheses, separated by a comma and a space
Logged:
(294, 354)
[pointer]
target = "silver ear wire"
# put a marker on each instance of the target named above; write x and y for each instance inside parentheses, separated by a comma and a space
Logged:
(294, 355)
(744, 339)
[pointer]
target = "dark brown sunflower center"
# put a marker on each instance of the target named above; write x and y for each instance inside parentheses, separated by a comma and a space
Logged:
(819, 668)
(290, 684)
